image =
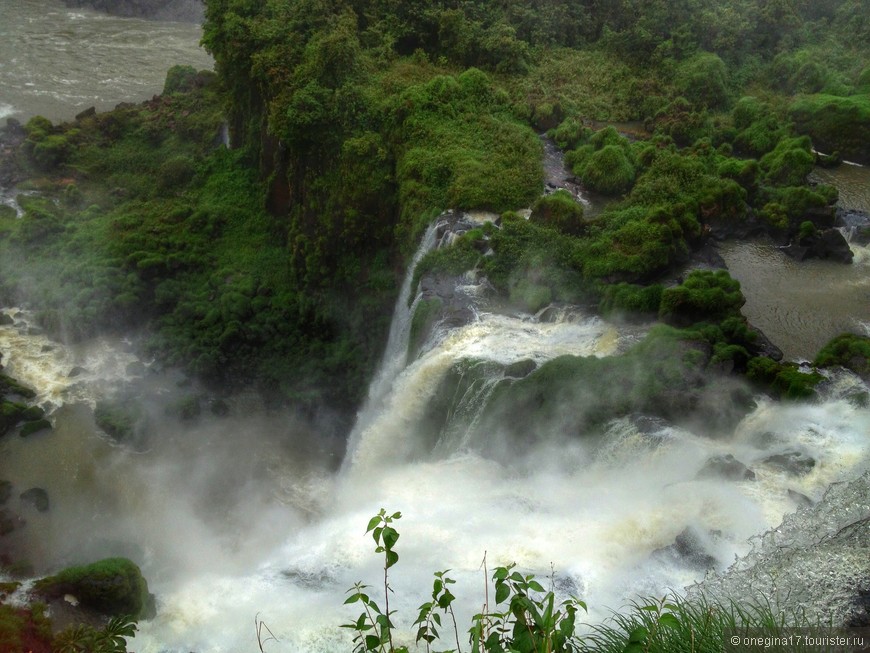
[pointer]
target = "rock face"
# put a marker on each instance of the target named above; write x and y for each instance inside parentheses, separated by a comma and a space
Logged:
(817, 560)
(179, 10)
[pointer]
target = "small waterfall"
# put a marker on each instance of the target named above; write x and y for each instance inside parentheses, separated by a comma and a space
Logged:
(395, 354)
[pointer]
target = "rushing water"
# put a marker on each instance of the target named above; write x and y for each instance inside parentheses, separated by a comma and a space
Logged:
(235, 517)
(232, 519)
(55, 61)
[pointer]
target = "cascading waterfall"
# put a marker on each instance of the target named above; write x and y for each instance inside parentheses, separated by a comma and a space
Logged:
(290, 541)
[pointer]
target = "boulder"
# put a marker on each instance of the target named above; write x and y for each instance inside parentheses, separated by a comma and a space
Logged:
(35, 426)
(6, 320)
(795, 463)
(5, 491)
(113, 587)
(37, 497)
(727, 467)
(689, 550)
(828, 244)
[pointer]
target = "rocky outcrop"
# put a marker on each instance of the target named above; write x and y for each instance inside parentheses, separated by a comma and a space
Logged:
(177, 10)
(817, 561)
(828, 244)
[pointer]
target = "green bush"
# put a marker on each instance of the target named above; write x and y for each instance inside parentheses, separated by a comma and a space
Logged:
(704, 295)
(180, 79)
(559, 211)
(703, 80)
(848, 350)
(608, 171)
(789, 163)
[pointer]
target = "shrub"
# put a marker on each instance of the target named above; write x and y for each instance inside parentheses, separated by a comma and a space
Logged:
(848, 350)
(704, 295)
(608, 171)
(180, 79)
(559, 211)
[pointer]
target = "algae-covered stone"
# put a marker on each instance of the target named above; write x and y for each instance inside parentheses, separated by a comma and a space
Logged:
(35, 426)
(113, 586)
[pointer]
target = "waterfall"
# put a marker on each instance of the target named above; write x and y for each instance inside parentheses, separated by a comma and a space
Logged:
(396, 351)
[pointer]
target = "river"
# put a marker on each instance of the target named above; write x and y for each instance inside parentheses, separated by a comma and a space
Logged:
(245, 517)
(55, 61)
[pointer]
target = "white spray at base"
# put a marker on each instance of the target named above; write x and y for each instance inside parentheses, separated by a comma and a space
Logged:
(596, 518)
(290, 545)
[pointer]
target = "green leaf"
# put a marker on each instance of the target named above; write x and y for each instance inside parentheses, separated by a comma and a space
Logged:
(396, 515)
(501, 593)
(392, 558)
(500, 573)
(374, 521)
(376, 534)
(638, 635)
(669, 621)
(373, 642)
(390, 536)
(535, 585)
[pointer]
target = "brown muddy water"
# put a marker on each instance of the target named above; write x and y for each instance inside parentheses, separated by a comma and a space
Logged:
(800, 306)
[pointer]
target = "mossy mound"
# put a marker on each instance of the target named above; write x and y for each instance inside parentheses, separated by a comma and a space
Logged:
(848, 350)
(559, 211)
(839, 124)
(113, 586)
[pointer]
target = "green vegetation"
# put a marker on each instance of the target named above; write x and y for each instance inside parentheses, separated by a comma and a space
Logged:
(353, 123)
(113, 586)
(521, 616)
(848, 350)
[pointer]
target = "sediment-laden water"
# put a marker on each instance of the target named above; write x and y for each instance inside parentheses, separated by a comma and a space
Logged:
(55, 61)
(243, 516)
(800, 306)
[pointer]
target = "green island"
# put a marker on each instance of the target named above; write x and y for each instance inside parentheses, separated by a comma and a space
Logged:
(254, 223)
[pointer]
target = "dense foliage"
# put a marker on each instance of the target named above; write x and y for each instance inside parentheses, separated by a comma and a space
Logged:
(353, 122)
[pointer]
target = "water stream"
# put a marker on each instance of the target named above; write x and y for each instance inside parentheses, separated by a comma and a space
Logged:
(243, 516)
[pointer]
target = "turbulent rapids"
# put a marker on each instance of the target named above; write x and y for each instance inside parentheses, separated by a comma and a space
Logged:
(600, 517)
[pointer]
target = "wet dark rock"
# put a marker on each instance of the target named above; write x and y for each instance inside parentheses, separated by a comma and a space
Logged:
(828, 244)
(9, 521)
(763, 346)
(727, 467)
(860, 617)
(76, 371)
(46, 348)
(796, 463)
(6, 320)
(37, 497)
(520, 369)
(5, 491)
(688, 549)
(29, 428)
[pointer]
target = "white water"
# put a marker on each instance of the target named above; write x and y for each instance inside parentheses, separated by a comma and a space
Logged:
(232, 520)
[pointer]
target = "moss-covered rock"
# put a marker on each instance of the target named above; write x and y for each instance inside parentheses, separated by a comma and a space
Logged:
(29, 428)
(848, 350)
(113, 586)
